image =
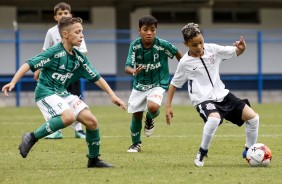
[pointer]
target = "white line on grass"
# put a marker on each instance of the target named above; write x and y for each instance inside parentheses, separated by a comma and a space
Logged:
(159, 136)
(188, 136)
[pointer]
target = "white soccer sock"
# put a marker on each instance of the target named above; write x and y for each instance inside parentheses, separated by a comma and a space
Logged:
(252, 131)
(76, 126)
(209, 130)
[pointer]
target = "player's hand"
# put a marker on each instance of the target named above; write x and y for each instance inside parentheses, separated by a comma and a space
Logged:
(118, 102)
(138, 70)
(241, 44)
(169, 115)
(8, 87)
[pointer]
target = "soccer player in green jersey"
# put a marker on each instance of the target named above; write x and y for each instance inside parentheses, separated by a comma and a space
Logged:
(53, 37)
(147, 62)
(61, 65)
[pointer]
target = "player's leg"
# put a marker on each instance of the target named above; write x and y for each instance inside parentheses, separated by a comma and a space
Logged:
(84, 115)
(155, 97)
(137, 104)
(212, 120)
(152, 113)
(240, 113)
(57, 114)
(135, 129)
(74, 89)
(55, 123)
(209, 130)
(251, 118)
(92, 138)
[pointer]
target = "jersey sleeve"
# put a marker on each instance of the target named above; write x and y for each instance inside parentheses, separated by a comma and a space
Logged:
(170, 49)
(225, 52)
(179, 77)
(42, 60)
(88, 72)
(48, 42)
(130, 61)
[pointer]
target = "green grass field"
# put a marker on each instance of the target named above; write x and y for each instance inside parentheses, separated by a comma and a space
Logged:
(166, 157)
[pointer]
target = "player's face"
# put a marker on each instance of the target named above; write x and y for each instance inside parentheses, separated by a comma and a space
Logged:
(62, 13)
(147, 33)
(196, 46)
(74, 34)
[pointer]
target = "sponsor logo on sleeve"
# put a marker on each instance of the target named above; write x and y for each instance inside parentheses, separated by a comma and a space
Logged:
(42, 63)
(88, 69)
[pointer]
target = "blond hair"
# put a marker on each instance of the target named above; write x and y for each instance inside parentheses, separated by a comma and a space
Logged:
(190, 30)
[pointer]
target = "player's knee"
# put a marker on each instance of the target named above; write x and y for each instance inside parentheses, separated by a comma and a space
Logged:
(153, 108)
(215, 115)
(254, 121)
(68, 117)
(91, 123)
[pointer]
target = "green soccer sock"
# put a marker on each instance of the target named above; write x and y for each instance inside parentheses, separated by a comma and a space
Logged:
(135, 128)
(151, 115)
(93, 142)
(49, 127)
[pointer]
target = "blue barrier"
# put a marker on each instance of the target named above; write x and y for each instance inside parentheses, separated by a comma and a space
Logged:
(259, 40)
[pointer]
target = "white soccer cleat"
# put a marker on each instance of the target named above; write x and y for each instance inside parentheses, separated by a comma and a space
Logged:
(198, 161)
(149, 127)
(56, 135)
(148, 132)
(134, 148)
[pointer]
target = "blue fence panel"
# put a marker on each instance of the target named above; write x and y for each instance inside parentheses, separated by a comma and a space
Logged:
(218, 36)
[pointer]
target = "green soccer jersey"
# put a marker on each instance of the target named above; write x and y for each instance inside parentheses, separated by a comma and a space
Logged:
(155, 63)
(59, 69)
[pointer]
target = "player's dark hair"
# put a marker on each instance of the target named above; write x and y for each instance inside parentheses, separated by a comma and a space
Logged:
(190, 30)
(67, 21)
(148, 20)
(62, 6)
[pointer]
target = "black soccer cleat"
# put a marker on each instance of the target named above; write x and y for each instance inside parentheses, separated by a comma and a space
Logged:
(28, 140)
(97, 162)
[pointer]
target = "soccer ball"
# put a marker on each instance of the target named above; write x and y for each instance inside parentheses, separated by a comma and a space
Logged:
(259, 155)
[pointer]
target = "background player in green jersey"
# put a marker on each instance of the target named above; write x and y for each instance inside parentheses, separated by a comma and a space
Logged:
(52, 38)
(147, 61)
(60, 66)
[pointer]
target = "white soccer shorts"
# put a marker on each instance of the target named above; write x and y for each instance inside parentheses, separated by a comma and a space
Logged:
(55, 105)
(138, 99)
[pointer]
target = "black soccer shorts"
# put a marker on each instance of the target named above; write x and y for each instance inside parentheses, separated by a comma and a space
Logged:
(230, 108)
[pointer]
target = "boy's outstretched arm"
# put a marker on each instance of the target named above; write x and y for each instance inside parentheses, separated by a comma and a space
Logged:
(105, 87)
(20, 73)
(169, 112)
(241, 46)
